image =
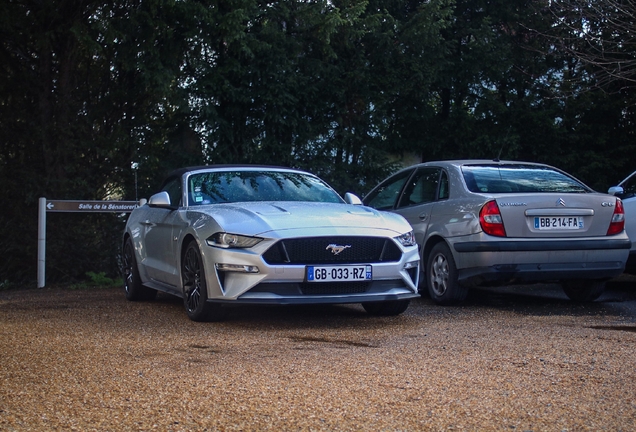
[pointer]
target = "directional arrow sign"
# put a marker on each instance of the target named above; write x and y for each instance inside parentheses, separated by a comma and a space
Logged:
(91, 206)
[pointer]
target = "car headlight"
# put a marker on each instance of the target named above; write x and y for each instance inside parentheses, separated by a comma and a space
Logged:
(227, 240)
(407, 239)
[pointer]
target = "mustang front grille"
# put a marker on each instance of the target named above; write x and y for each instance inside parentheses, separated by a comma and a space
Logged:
(333, 250)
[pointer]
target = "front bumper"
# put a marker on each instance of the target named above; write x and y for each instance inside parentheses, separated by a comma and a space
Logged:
(287, 284)
(291, 293)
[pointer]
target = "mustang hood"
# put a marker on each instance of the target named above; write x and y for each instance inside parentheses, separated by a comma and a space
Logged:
(258, 218)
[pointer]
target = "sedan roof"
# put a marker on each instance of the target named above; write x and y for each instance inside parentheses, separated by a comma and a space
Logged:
(459, 162)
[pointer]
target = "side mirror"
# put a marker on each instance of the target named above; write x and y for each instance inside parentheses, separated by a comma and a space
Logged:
(352, 199)
(616, 190)
(161, 199)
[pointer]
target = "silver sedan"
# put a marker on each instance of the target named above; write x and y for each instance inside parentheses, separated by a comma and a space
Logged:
(481, 222)
(223, 235)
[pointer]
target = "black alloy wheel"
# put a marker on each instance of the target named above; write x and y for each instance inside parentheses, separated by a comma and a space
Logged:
(195, 290)
(133, 287)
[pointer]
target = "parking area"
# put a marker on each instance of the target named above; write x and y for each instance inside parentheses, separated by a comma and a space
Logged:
(507, 359)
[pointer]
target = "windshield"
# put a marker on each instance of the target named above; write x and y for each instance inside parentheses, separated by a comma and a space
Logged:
(519, 178)
(242, 186)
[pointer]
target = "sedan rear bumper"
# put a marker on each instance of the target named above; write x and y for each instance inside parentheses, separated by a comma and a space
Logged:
(511, 273)
(542, 245)
(508, 261)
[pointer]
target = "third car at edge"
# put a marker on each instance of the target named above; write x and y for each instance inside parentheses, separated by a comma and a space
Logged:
(626, 191)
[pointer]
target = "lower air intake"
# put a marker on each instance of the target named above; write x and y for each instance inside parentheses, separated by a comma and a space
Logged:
(333, 288)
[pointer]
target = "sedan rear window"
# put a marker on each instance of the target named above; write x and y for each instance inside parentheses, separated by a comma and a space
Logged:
(519, 178)
(242, 186)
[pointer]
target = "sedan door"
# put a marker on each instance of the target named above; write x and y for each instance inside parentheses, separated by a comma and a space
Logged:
(418, 199)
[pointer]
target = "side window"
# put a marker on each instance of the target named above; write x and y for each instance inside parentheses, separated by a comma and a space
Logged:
(443, 186)
(385, 196)
(629, 187)
(173, 187)
(422, 187)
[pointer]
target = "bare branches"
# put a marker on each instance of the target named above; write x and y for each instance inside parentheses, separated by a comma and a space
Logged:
(601, 35)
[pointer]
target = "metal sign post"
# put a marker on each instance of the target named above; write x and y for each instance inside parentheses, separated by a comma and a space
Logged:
(41, 241)
(73, 206)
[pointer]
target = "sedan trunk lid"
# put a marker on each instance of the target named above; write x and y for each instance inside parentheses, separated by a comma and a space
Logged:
(556, 214)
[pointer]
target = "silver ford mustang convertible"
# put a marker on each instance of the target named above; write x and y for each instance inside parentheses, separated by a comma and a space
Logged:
(221, 235)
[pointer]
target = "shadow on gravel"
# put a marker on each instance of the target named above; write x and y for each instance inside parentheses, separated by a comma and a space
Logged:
(286, 316)
(304, 316)
(619, 299)
(616, 328)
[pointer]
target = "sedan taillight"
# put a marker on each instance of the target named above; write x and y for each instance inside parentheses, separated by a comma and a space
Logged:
(618, 219)
(490, 219)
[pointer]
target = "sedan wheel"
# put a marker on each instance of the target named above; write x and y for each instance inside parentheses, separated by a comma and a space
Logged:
(443, 286)
(583, 290)
(132, 281)
(195, 291)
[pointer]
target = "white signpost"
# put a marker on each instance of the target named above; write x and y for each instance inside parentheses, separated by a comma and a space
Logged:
(72, 206)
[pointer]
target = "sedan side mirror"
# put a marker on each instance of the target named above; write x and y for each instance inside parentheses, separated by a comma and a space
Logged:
(161, 199)
(352, 199)
(616, 190)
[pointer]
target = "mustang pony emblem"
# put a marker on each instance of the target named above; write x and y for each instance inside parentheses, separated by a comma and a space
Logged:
(336, 249)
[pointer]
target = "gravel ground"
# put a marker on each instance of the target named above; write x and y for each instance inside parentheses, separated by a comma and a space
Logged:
(90, 360)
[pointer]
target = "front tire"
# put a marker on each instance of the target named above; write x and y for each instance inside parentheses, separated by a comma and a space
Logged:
(195, 288)
(386, 308)
(441, 277)
(583, 290)
(134, 289)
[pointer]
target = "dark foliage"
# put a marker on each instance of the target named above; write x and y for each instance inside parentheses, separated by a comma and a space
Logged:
(348, 89)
